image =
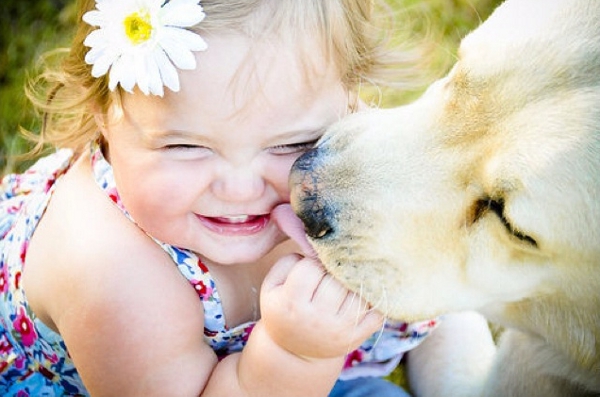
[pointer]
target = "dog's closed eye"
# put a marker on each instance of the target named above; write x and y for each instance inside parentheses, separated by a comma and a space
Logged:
(496, 206)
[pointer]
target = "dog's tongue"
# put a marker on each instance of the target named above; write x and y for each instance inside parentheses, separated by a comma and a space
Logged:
(290, 224)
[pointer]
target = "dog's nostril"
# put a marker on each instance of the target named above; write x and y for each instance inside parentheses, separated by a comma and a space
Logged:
(316, 224)
(317, 217)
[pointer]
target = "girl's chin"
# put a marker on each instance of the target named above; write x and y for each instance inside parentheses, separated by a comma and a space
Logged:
(229, 250)
(234, 256)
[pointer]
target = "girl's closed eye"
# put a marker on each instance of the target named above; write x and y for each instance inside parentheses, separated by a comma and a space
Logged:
(293, 148)
(183, 146)
(187, 150)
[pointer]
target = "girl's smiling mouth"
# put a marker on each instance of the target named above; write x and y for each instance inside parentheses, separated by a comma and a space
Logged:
(235, 225)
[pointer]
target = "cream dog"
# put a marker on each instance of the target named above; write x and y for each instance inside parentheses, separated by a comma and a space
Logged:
(484, 194)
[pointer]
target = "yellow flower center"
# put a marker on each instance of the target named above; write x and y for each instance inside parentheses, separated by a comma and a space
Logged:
(138, 27)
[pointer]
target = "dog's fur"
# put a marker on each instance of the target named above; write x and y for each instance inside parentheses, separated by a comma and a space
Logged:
(483, 194)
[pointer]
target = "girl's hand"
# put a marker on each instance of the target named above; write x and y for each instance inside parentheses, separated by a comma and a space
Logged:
(308, 313)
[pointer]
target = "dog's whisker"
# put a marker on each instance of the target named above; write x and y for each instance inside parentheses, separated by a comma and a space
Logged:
(359, 308)
(382, 304)
(327, 280)
(359, 313)
(380, 333)
(376, 306)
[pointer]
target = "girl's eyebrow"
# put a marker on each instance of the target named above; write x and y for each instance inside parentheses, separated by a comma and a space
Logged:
(167, 134)
(158, 137)
(309, 133)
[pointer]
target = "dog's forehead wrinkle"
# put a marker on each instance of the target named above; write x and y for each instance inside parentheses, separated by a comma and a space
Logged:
(466, 98)
(475, 88)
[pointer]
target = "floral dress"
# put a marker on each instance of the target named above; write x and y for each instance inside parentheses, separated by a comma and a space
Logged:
(34, 360)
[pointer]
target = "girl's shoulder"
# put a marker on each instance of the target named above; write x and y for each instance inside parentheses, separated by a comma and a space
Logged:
(111, 292)
(81, 225)
(85, 251)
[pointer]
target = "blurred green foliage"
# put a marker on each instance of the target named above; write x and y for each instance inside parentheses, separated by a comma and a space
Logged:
(30, 28)
(27, 30)
(438, 25)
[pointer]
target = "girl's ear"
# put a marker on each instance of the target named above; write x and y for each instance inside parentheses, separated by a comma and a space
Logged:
(104, 117)
(100, 119)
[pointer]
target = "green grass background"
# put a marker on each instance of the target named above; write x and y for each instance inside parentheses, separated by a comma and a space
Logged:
(27, 29)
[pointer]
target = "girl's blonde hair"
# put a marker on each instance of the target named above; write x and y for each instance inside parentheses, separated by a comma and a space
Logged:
(354, 35)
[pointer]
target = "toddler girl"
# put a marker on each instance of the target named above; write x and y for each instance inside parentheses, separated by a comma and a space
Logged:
(141, 257)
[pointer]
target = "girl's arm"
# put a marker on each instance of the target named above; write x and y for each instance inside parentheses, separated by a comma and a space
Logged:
(309, 323)
(144, 337)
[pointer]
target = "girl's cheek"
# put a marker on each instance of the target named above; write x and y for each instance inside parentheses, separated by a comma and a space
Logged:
(277, 172)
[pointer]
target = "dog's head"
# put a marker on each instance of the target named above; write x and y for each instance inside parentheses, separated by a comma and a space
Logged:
(484, 191)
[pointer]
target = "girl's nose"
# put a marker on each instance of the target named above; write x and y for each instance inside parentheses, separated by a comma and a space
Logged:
(241, 183)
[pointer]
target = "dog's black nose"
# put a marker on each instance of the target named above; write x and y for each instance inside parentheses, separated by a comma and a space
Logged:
(307, 199)
(316, 219)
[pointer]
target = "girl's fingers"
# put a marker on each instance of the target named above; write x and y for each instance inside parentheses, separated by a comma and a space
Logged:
(304, 279)
(280, 271)
(331, 294)
(300, 277)
(353, 304)
(371, 322)
(361, 312)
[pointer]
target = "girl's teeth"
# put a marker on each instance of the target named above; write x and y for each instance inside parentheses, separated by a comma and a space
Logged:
(237, 218)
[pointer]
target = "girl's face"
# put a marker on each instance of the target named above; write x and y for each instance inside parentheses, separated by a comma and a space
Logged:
(203, 168)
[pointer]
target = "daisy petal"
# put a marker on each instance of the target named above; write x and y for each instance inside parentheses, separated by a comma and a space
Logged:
(103, 5)
(96, 37)
(168, 73)
(182, 14)
(122, 69)
(140, 70)
(177, 52)
(155, 83)
(104, 61)
(113, 76)
(101, 66)
(94, 54)
(94, 18)
(156, 4)
(191, 40)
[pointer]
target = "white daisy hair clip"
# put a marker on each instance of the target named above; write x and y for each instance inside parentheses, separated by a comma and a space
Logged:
(143, 41)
